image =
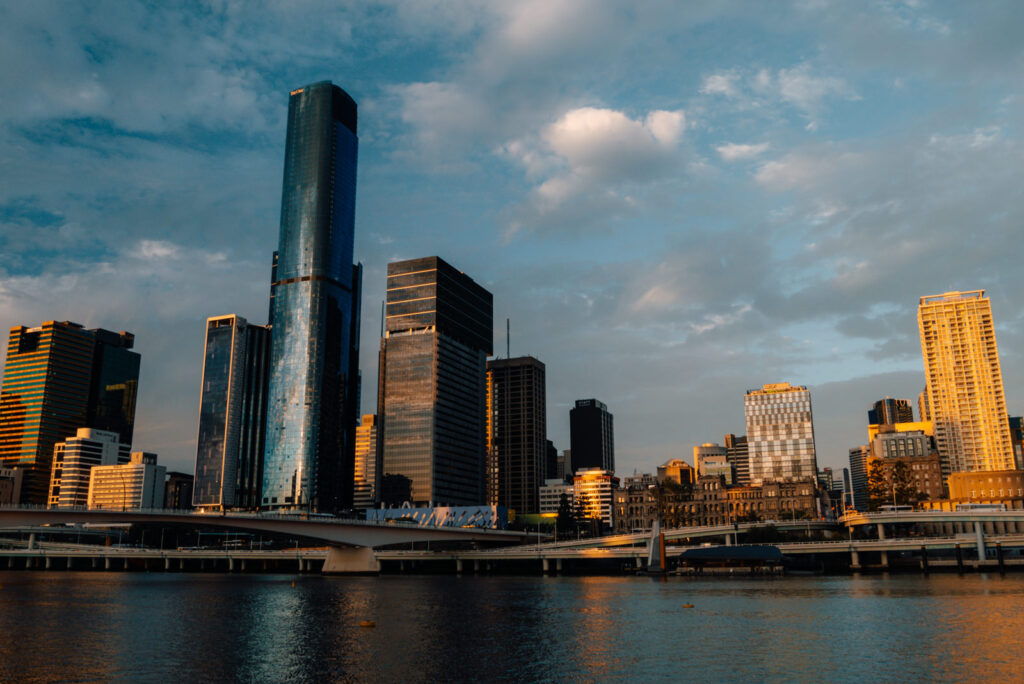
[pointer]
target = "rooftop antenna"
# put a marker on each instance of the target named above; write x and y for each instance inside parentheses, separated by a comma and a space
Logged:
(382, 318)
(508, 339)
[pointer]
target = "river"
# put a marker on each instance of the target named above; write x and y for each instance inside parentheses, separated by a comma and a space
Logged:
(76, 626)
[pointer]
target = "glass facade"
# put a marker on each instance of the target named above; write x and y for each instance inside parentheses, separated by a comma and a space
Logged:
(780, 433)
(232, 414)
(433, 384)
(59, 377)
(313, 392)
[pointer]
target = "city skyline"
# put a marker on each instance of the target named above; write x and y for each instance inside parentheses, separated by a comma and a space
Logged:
(173, 221)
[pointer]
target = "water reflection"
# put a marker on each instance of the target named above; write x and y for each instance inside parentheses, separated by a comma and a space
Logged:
(134, 626)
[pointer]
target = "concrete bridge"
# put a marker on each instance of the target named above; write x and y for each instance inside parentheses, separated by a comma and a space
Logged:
(350, 542)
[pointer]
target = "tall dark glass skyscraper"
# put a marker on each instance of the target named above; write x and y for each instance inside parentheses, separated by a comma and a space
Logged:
(314, 359)
(517, 445)
(232, 414)
(432, 392)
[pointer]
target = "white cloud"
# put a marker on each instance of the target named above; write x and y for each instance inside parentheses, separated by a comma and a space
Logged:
(722, 83)
(734, 151)
(155, 250)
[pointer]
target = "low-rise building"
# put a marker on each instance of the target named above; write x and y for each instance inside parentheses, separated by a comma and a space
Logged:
(636, 509)
(593, 493)
(551, 493)
(10, 486)
(178, 490)
(136, 484)
(677, 470)
(73, 461)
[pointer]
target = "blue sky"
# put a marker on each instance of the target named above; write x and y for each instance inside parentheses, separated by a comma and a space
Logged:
(673, 202)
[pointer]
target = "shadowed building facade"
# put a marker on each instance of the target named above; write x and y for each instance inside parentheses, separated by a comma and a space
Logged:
(517, 446)
(964, 382)
(60, 377)
(432, 389)
(313, 393)
(232, 414)
(591, 435)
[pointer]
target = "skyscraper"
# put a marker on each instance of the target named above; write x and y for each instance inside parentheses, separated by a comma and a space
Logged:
(232, 414)
(432, 396)
(780, 433)
(859, 475)
(367, 464)
(60, 377)
(591, 436)
(314, 359)
(739, 456)
(890, 411)
(964, 382)
(517, 446)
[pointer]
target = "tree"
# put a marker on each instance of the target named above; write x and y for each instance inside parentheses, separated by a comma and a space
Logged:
(669, 496)
(902, 481)
(879, 490)
(565, 521)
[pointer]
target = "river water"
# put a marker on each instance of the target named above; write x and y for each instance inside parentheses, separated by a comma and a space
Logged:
(209, 627)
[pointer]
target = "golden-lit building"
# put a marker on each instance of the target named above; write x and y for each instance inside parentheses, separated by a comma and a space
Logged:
(366, 475)
(965, 398)
(677, 470)
(594, 491)
(780, 433)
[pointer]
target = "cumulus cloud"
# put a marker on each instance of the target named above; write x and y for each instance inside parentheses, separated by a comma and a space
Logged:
(723, 83)
(598, 152)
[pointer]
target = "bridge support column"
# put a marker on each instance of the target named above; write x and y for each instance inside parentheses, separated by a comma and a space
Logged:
(106, 562)
(167, 564)
(352, 560)
(639, 562)
(47, 563)
(242, 565)
(729, 540)
(881, 531)
(999, 558)
(924, 559)
(959, 559)
(979, 536)
(884, 555)
(231, 564)
(546, 565)
(854, 559)
(181, 563)
(558, 566)
(95, 563)
(10, 562)
(458, 566)
(31, 541)
(476, 566)
(125, 566)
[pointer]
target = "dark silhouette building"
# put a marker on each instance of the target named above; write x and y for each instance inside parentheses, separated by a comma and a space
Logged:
(591, 436)
(890, 411)
(313, 401)
(517, 445)
(432, 390)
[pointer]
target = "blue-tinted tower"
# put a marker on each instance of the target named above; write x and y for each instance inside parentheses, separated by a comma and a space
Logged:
(314, 360)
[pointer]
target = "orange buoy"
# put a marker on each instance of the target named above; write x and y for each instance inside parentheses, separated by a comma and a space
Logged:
(367, 623)
(687, 605)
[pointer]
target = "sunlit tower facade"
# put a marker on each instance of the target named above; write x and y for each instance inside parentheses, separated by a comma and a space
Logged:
(367, 464)
(432, 390)
(59, 377)
(964, 382)
(780, 433)
(314, 359)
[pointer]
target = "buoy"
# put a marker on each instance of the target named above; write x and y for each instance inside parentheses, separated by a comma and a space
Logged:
(687, 605)
(367, 623)
(293, 584)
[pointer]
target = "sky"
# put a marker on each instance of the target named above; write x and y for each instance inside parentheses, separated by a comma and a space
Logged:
(672, 202)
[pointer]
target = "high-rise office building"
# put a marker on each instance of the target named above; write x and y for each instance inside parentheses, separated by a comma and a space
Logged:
(367, 464)
(517, 446)
(1017, 441)
(60, 377)
(232, 414)
(594, 494)
(591, 435)
(739, 457)
(964, 382)
(922, 405)
(73, 460)
(178, 490)
(432, 392)
(890, 411)
(780, 433)
(313, 399)
(859, 476)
